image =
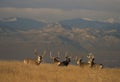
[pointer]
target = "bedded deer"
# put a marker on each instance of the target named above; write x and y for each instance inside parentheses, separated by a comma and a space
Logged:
(37, 61)
(66, 61)
(91, 59)
(81, 63)
(56, 59)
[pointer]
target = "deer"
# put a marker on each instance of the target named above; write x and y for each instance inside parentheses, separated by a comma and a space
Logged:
(91, 59)
(97, 66)
(66, 61)
(81, 63)
(56, 60)
(37, 61)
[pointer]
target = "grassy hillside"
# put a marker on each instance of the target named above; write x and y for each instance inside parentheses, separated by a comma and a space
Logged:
(16, 71)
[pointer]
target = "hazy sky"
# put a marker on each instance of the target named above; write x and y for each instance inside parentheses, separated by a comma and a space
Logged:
(54, 10)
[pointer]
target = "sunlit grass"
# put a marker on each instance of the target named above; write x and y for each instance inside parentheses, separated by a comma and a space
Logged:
(16, 71)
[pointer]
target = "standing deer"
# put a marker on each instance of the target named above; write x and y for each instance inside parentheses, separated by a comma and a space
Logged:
(55, 59)
(37, 61)
(66, 62)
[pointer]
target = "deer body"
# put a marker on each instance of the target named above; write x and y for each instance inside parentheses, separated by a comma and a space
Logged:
(55, 59)
(65, 63)
(97, 66)
(32, 61)
(82, 64)
(91, 59)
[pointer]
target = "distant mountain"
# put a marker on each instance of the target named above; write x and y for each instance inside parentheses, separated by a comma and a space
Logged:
(20, 24)
(82, 23)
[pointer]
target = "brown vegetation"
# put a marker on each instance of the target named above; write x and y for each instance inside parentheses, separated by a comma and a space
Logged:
(16, 71)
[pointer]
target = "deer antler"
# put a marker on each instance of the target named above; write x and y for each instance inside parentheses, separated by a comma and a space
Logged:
(76, 58)
(66, 54)
(71, 56)
(51, 55)
(44, 52)
(59, 54)
(82, 57)
(90, 56)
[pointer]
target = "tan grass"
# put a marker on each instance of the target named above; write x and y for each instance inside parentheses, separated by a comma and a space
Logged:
(16, 71)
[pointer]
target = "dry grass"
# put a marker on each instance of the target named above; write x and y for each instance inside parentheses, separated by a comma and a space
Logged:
(16, 71)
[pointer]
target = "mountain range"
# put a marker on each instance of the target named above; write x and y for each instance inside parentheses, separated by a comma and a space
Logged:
(78, 37)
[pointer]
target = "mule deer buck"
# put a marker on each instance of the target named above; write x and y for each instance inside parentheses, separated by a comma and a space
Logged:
(37, 61)
(56, 60)
(91, 59)
(66, 62)
(97, 66)
(81, 63)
